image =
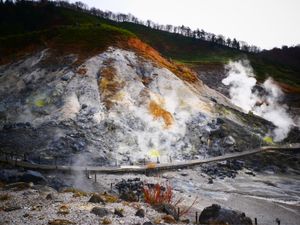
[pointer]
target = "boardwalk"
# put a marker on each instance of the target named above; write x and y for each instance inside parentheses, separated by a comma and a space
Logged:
(145, 168)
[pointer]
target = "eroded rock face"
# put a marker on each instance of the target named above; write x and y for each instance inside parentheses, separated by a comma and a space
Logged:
(114, 108)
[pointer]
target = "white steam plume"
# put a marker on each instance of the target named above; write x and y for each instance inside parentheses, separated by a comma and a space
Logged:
(242, 82)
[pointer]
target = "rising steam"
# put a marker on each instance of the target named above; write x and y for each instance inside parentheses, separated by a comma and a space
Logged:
(264, 103)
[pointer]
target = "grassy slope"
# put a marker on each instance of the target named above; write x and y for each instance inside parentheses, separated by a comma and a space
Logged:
(180, 48)
(66, 30)
(191, 51)
(24, 27)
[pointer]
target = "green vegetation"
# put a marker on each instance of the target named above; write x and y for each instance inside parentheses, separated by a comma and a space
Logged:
(26, 27)
(282, 73)
(192, 51)
(81, 38)
(180, 48)
(91, 36)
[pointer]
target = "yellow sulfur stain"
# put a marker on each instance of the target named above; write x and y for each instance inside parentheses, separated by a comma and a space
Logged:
(40, 103)
(119, 96)
(154, 153)
(268, 140)
(182, 104)
(104, 83)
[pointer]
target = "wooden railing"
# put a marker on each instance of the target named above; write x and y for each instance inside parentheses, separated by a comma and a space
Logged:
(21, 160)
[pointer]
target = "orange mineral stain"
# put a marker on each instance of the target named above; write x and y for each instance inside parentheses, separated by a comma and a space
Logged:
(158, 112)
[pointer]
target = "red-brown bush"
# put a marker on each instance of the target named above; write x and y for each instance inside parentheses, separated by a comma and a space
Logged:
(159, 195)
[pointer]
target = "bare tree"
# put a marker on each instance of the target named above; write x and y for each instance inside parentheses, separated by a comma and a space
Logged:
(228, 42)
(169, 27)
(183, 30)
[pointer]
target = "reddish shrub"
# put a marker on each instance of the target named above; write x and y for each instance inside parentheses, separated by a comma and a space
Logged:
(158, 194)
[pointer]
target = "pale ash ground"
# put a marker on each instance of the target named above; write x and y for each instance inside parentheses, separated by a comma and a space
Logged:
(265, 197)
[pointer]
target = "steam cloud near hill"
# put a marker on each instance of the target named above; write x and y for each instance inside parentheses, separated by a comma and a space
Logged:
(264, 103)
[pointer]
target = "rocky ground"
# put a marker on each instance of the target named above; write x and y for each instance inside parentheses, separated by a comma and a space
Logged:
(26, 203)
(268, 193)
(43, 205)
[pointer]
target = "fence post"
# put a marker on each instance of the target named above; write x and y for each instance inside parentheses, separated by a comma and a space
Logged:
(55, 161)
(196, 218)
(178, 212)
(15, 158)
(95, 177)
(255, 221)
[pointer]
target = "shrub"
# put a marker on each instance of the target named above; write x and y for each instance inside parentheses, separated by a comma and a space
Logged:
(5, 197)
(76, 192)
(157, 194)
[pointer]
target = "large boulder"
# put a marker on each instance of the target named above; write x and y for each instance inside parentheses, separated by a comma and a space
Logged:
(215, 214)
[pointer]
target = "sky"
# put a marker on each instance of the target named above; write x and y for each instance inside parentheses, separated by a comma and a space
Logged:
(264, 23)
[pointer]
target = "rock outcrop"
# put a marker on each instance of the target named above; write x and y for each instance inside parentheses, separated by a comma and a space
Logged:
(115, 108)
(215, 214)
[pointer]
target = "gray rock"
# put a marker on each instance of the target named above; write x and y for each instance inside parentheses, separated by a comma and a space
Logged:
(215, 214)
(229, 140)
(11, 208)
(148, 223)
(96, 199)
(101, 212)
(49, 196)
(118, 212)
(140, 213)
(78, 146)
(67, 76)
(168, 209)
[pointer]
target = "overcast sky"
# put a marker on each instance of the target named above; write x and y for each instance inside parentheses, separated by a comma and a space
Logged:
(265, 23)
